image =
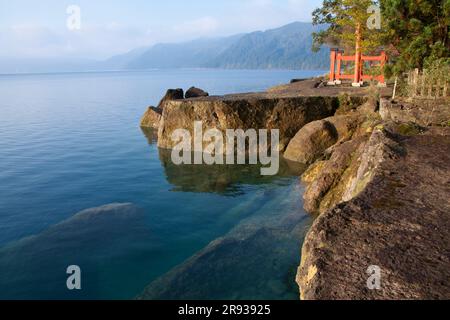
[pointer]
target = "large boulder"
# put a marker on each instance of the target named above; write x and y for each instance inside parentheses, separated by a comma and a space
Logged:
(315, 138)
(311, 141)
(171, 94)
(287, 114)
(194, 92)
(329, 180)
(151, 118)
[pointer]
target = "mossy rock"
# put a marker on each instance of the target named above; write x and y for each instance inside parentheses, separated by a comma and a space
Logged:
(349, 103)
(313, 171)
(409, 129)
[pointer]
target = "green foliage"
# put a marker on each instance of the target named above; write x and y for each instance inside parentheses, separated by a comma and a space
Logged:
(409, 129)
(287, 47)
(438, 70)
(414, 32)
(343, 18)
(417, 31)
(346, 104)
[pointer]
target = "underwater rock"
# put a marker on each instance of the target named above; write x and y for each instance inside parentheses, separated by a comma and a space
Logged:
(35, 267)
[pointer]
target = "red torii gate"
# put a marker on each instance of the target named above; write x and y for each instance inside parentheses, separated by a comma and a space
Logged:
(336, 58)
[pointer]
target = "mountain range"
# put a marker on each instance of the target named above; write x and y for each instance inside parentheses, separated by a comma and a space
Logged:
(288, 47)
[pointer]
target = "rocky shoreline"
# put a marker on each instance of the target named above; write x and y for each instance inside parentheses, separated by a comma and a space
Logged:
(378, 181)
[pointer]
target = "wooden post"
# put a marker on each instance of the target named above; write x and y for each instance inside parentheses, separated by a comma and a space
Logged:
(416, 83)
(395, 88)
(424, 75)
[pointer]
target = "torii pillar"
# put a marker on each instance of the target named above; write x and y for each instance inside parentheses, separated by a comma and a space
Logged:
(333, 56)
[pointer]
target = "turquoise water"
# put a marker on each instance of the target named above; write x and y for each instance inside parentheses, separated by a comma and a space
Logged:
(71, 142)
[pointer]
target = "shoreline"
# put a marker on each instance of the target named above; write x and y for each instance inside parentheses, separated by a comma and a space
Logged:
(348, 146)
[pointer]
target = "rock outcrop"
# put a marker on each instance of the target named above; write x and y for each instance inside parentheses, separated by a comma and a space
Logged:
(424, 113)
(171, 94)
(378, 184)
(330, 181)
(288, 115)
(194, 92)
(391, 211)
(151, 118)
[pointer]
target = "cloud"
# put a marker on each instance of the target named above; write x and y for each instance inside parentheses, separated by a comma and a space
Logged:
(92, 41)
(116, 34)
(199, 27)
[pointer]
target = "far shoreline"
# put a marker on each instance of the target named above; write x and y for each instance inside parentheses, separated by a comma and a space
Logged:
(320, 72)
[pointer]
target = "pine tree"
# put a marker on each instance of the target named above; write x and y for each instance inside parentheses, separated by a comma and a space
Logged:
(347, 22)
(417, 31)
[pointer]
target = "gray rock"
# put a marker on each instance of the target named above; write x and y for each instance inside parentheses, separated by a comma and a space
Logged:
(194, 92)
(396, 216)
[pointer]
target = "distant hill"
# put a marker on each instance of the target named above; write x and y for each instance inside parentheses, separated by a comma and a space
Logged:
(288, 47)
(191, 54)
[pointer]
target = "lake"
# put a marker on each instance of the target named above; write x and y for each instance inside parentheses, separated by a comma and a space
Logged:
(81, 184)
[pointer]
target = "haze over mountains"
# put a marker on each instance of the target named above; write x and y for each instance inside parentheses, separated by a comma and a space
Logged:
(288, 47)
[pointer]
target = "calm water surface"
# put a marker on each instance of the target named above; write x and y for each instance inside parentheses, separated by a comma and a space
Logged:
(82, 184)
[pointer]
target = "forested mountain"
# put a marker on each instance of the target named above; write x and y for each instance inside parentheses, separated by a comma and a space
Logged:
(288, 47)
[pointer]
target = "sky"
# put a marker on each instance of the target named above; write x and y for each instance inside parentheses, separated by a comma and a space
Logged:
(38, 29)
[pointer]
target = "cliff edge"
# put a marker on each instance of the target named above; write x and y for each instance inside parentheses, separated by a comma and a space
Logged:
(393, 214)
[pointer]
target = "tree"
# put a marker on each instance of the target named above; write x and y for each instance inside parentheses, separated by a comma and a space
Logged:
(347, 22)
(417, 32)
(348, 27)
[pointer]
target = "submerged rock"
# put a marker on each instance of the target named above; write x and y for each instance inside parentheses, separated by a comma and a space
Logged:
(255, 260)
(194, 92)
(35, 267)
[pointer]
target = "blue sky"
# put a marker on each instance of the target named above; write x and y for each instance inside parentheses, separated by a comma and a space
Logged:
(30, 28)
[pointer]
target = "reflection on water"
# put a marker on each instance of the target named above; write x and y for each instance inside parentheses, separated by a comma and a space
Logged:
(151, 135)
(258, 258)
(222, 179)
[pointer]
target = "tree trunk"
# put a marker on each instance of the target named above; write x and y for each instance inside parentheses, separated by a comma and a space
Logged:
(357, 78)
